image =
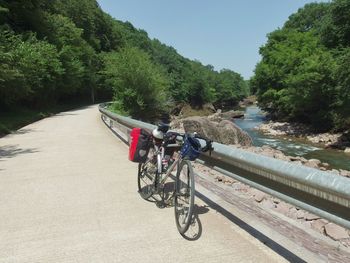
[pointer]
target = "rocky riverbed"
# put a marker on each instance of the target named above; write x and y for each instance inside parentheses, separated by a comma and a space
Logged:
(328, 140)
(219, 128)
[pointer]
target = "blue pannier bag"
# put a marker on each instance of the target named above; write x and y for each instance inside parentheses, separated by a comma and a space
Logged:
(190, 148)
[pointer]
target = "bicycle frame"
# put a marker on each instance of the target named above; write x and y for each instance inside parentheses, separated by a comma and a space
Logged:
(160, 155)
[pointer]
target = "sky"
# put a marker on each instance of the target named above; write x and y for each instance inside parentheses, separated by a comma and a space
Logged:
(222, 33)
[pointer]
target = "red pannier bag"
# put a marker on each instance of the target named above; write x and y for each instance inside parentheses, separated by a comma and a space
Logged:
(140, 143)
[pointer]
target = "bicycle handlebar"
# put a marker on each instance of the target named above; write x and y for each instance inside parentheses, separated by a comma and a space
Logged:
(170, 136)
(208, 143)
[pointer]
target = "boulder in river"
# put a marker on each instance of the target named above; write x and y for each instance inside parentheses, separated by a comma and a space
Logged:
(230, 133)
(232, 114)
(225, 132)
(216, 117)
(228, 115)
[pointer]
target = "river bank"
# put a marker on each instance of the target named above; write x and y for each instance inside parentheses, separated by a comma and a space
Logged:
(295, 146)
(290, 141)
(228, 129)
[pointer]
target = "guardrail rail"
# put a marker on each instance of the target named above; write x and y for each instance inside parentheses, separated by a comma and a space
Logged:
(321, 193)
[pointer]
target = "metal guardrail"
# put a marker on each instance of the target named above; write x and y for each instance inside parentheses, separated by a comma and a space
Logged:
(322, 193)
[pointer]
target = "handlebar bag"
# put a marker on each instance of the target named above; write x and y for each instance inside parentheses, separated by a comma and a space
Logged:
(140, 143)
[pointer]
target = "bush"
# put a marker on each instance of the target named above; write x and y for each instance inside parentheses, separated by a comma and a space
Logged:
(139, 85)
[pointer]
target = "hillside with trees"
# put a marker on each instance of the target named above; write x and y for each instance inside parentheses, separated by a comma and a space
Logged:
(304, 74)
(57, 52)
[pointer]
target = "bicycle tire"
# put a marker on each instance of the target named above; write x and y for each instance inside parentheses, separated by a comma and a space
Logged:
(146, 176)
(184, 196)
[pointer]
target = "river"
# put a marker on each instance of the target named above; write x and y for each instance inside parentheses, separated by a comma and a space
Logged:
(254, 117)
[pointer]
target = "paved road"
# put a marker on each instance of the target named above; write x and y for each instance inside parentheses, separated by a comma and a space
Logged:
(68, 194)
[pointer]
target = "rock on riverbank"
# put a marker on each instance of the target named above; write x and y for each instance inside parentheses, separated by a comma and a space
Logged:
(224, 131)
(327, 140)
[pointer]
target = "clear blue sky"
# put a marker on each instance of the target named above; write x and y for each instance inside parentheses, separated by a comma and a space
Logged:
(223, 33)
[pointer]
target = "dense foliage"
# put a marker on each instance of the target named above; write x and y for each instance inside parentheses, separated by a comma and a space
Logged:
(304, 74)
(141, 94)
(62, 51)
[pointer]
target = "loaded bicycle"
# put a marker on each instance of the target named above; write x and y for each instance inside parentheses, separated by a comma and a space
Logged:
(159, 155)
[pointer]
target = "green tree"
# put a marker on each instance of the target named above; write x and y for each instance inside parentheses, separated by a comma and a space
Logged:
(230, 87)
(303, 74)
(29, 70)
(336, 29)
(342, 75)
(198, 85)
(76, 55)
(24, 15)
(309, 18)
(295, 79)
(311, 91)
(176, 67)
(139, 85)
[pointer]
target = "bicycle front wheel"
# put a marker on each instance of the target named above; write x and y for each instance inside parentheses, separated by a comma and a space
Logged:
(147, 174)
(184, 196)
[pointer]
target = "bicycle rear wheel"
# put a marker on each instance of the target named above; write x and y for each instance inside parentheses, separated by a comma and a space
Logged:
(147, 174)
(184, 196)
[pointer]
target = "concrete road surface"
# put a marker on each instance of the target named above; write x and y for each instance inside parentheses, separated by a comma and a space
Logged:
(69, 194)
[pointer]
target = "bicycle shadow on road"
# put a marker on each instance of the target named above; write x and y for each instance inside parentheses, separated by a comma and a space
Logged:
(195, 230)
(275, 246)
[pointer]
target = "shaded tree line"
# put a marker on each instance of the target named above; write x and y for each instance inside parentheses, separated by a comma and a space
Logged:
(56, 51)
(304, 74)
